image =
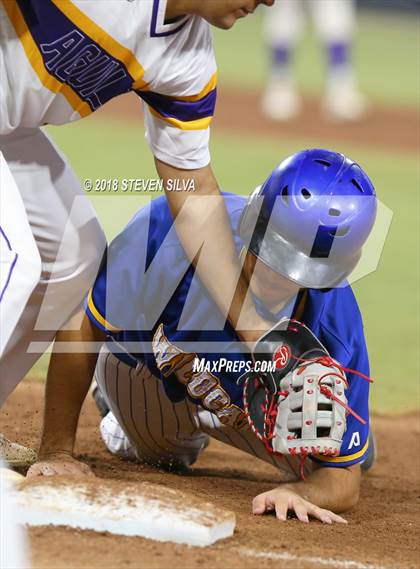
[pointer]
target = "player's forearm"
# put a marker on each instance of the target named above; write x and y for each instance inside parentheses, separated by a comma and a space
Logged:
(203, 227)
(335, 489)
(68, 381)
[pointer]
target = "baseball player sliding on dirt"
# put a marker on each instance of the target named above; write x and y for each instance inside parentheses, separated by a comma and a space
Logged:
(60, 60)
(172, 372)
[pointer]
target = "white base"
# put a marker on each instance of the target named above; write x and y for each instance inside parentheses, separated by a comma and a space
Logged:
(144, 510)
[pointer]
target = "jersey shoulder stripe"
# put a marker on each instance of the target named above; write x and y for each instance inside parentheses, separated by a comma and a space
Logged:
(193, 112)
(210, 86)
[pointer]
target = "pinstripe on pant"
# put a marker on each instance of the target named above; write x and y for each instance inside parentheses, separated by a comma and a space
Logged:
(145, 425)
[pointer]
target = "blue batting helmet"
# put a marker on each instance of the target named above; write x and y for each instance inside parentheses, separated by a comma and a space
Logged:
(311, 217)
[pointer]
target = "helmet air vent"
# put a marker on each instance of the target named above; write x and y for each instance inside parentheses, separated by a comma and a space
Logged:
(322, 162)
(285, 195)
(358, 186)
(334, 212)
(305, 193)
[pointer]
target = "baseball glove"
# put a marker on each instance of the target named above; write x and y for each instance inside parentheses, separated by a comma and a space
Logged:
(294, 398)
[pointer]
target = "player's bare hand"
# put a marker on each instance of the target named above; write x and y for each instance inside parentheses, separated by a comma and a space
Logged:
(284, 501)
(59, 464)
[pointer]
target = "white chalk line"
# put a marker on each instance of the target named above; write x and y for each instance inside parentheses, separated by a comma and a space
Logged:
(327, 562)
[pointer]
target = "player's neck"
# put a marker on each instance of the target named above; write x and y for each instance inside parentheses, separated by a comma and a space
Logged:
(276, 307)
(175, 9)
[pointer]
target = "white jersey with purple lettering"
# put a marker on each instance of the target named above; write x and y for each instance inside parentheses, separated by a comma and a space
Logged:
(60, 60)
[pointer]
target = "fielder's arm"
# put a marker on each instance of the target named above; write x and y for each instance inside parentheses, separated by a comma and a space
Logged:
(325, 492)
(68, 381)
(201, 218)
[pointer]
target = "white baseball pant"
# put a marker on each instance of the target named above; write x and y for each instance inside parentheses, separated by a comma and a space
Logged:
(285, 21)
(51, 245)
(144, 425)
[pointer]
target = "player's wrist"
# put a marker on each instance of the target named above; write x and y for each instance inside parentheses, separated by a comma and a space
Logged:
(252, 335)
(56, 447)
(55, 454)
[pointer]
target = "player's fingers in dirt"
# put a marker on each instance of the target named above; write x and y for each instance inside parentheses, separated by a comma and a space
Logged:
(325, 516)
(284, 501)
(261, 504)
(281, 510)
(281, 501)
(300, 508)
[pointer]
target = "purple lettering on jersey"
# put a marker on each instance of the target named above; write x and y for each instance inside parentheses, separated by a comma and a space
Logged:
(72, 57)
(61, 48)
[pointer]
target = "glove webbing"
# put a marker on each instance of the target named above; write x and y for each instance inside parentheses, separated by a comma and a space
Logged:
(270, 407)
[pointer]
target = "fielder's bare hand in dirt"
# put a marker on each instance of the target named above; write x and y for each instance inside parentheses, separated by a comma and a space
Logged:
(60, 61)
(171, 371)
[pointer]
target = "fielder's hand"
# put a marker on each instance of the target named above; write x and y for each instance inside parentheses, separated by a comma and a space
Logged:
(59, 464)
(284, 500)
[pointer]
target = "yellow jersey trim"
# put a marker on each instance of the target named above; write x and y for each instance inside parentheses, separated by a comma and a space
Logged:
(98, 315)
(345, 458)
(102, 38)
(36, 60)
(198, 124)
(205, 91)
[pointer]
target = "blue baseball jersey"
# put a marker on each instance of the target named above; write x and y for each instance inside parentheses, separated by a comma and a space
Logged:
(154, 309)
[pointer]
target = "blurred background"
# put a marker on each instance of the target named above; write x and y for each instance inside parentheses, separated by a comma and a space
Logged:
(246, 144)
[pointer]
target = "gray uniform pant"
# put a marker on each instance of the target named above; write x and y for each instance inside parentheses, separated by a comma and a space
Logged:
(145, 425)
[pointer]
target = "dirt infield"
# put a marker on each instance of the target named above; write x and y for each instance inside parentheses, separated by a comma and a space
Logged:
(383, 529)
(238, 111)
